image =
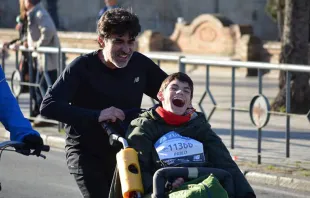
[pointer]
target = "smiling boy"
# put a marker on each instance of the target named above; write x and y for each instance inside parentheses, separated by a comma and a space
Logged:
(173, 134)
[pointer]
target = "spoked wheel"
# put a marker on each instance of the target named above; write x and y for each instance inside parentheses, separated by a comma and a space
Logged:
(15, 83)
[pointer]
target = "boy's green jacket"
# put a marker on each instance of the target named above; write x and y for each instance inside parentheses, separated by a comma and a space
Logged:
(144, 131)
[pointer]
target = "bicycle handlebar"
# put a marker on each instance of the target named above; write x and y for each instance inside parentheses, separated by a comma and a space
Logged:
(21, 148)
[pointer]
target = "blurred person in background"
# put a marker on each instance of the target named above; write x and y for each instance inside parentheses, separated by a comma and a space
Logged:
(41, 31)
(21, 27)
(110, 4)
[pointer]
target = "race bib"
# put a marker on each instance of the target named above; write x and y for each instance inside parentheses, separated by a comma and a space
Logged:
(174, 149)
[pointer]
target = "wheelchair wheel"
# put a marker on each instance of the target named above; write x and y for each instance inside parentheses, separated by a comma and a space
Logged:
(15, 80)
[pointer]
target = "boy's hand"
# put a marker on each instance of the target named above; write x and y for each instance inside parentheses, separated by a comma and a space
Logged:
(177, 183)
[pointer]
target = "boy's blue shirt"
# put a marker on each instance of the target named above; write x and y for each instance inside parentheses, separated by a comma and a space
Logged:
(10, 114)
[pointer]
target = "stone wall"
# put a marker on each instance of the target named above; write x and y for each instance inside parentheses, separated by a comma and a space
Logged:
(249, 47)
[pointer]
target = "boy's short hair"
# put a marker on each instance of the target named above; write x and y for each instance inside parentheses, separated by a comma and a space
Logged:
(181, 77)
(118, 21)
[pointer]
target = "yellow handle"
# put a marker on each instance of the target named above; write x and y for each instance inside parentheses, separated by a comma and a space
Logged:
(129, 171)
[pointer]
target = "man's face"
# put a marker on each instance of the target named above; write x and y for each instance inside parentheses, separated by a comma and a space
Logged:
(117, 50)
(176, 97)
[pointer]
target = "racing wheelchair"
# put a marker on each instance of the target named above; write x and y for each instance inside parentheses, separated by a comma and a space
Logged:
(201, 181)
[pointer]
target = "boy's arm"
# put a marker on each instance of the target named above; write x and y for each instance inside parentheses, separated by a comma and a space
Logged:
(10, 114)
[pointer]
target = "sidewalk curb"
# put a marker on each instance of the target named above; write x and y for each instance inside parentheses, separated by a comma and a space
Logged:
(257, 177)
(280, 181)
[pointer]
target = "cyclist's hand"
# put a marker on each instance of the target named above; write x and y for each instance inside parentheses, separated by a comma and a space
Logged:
(26, 44)
(5, 46)
(177, 183)
(111, 114)
(16, 46)
(34, 142)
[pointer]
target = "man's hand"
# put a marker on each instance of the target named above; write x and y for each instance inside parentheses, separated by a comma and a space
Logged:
(177, 183)
(34, 142)
(111, 114)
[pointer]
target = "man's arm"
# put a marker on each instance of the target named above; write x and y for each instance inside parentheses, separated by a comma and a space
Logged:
(56, 103)
(10, 114)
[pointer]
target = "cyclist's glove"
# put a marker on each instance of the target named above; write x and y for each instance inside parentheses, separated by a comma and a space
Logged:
(33, 142)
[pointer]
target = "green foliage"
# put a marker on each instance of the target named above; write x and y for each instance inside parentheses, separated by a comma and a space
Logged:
(282, 109)
(271, 167)
(271, 8)
(306, 173)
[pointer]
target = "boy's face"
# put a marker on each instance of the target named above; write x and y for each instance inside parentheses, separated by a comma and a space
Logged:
(117, 50)
(176, 97)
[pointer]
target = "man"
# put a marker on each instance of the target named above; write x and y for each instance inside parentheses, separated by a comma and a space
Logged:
(41, 31)
(104, 85)
(173, 134)
(110, 4)
(13, 120)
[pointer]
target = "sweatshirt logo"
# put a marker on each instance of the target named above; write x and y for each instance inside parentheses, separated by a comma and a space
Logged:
(136, 80)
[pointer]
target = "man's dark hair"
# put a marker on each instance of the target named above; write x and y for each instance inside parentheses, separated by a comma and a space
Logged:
(118, 21)
(181, 77)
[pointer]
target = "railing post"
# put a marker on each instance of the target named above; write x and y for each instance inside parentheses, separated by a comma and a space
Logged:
(259, 131)
(158, 62)
(182, 66)
(16, 59)
(59, 61)
(232, 127)
(3, 59)
(288, 110)
(31, 80)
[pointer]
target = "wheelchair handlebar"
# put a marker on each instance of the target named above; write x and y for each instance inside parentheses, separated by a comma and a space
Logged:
(113, 135)
(162, 175)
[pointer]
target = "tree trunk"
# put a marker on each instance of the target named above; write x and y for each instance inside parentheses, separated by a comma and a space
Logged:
(280, 17)
(295, 51)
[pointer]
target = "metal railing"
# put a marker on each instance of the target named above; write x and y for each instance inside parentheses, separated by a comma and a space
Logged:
(183, 61)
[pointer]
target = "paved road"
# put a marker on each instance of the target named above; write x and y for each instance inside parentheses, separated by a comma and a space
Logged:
(32, 177)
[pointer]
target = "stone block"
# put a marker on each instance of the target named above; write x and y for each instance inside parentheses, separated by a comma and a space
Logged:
(209, 35)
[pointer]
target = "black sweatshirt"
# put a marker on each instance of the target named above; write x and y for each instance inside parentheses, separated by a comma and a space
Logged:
(86, 87)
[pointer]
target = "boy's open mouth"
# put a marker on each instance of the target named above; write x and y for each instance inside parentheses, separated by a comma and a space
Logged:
(178, 102)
